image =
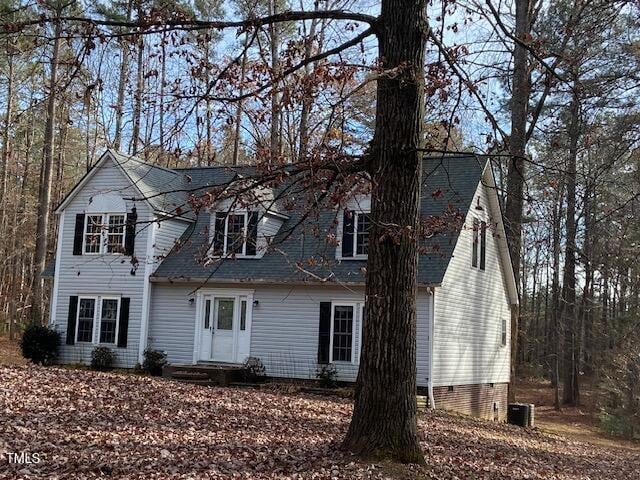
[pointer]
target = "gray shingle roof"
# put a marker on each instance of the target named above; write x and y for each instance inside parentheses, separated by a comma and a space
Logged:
(166, 190)
(449, 184)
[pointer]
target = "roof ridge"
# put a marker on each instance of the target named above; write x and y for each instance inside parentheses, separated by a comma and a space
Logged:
(134, 158)
(212, 167)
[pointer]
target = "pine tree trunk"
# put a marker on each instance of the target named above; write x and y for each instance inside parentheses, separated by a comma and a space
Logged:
(384, 422)
(137, 104)
(44, 194)
(307, 98)
(6, 132)
(555, 295)
(515, 180)
(570, 377)
(275, 96)
(122, 86)
(238, 119)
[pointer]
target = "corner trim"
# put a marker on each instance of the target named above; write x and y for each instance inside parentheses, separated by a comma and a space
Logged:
(146, 292)
(56, 273)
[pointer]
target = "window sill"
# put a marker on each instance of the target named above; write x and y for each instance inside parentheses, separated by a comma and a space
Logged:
(355, 257)
(343, 362)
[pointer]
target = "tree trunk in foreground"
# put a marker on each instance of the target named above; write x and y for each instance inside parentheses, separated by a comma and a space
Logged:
(571, 390)
(384, 423)
(515, 180)
(44, 196)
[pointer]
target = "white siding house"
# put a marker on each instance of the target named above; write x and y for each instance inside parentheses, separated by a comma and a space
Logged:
(182, 284)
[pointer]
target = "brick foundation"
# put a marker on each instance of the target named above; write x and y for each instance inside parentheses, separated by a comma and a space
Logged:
(477, 400)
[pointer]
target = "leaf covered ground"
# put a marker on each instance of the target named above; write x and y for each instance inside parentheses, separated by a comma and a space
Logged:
(86, 424)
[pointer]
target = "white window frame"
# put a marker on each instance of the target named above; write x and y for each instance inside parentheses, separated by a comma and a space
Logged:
(356, 214)
(355, 255)
(104, 233)
(97, 318)
(245, 214)
(354, 330)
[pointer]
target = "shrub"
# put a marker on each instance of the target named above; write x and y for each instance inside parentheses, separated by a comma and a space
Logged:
(102, 358)
(615, 425)
(327, 375)
(621, 390)
(40, 344)
(154, 361)
(254, 370)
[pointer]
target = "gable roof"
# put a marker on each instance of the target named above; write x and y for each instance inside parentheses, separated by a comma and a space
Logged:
(166, 191)
(449, 183)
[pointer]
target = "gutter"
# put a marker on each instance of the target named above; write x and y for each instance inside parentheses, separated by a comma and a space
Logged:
(261, 281)
(432, 402)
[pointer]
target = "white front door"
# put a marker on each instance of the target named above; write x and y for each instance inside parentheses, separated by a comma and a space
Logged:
(224, 317)
(225, 321)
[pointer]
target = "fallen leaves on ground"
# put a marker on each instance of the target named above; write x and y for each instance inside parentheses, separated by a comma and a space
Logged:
(86, 424)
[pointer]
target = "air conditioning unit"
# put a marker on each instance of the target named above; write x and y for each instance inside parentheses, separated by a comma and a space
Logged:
(521, 414)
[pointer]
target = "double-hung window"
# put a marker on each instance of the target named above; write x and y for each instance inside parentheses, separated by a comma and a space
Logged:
(362, 225)
(342, 332)
(104, 233)
(98, 317)
(235, 238)
(235, 234)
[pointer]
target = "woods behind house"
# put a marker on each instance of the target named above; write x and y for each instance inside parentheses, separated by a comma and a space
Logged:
(549, 88)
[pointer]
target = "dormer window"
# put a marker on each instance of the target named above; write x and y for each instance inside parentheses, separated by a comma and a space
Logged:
(104, 233)
(355, 234)
(361, 232)
(235, 234)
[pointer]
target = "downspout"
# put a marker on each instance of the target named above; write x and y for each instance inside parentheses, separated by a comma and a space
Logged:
(432, 402)
(146, 291)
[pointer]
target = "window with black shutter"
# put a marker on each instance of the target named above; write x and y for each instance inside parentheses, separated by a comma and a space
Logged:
(355, 234)
(235, 234)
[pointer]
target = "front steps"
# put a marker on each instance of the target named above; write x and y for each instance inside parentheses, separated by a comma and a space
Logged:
(220, 374)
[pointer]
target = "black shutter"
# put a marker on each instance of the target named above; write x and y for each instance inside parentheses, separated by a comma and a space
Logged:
(474, 252)
(123, 327)
(324, 332)
(71, 320)
(252, 233)
(483, 244)
(218, 234)
(130, 232)
(77, 236)
(347, 234)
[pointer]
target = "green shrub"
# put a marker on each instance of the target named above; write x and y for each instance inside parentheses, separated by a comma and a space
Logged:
(102, 358)
(40, 344)
(154, 361)
(615, 425)
(327, 374)
(254, 370)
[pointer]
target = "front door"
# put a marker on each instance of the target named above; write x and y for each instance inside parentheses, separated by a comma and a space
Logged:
(225, 327)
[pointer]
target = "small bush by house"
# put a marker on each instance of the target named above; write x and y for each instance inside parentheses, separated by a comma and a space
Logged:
(102, 358)
(254, 370)
(327, 375)
(40, 344)
(154, 361)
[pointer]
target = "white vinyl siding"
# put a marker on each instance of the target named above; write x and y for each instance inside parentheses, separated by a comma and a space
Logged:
(284, 327)
(471, 307)
(168, 232)
(100, 275)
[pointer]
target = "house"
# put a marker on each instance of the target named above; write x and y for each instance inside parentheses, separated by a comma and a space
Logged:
(138, 266)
